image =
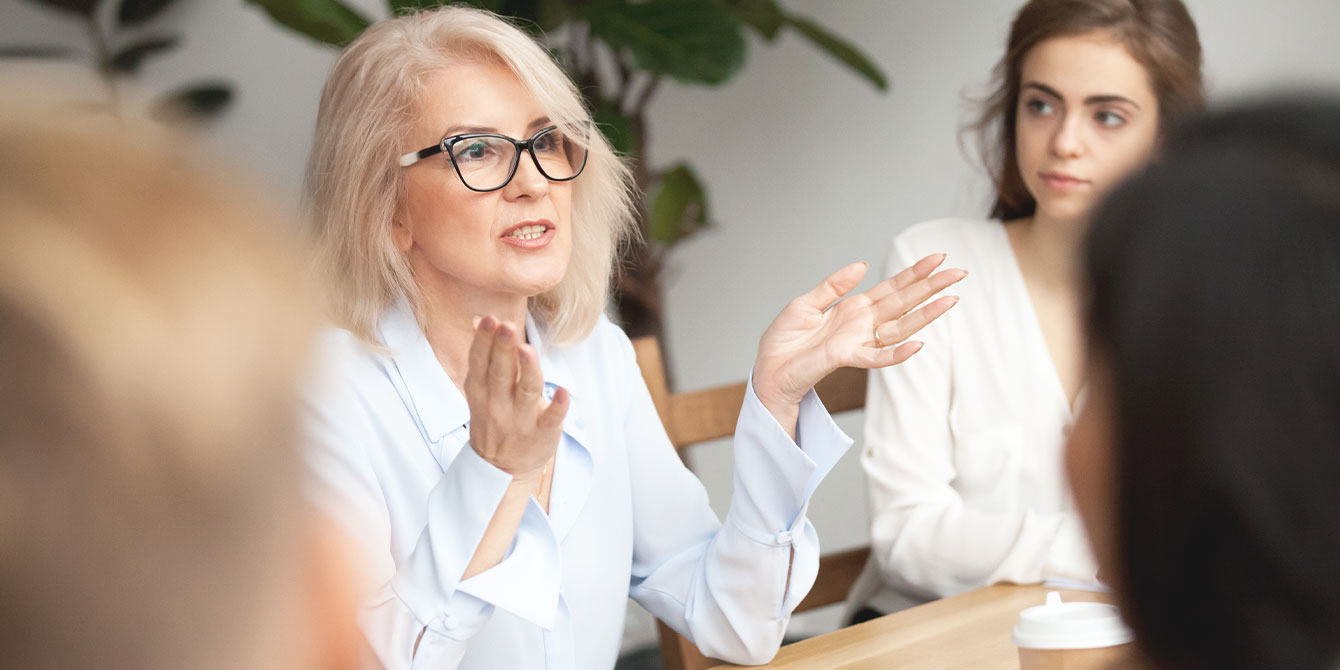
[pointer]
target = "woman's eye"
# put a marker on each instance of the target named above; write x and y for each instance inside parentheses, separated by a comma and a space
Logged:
(1109, 119)
(549, 142)
(1039, 107)
(474, 150)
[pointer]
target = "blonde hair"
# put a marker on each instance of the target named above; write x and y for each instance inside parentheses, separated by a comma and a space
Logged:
(354, 182)
(153, 336)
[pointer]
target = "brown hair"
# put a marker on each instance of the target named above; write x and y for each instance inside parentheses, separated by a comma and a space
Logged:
(153, 334)
(1159, 34)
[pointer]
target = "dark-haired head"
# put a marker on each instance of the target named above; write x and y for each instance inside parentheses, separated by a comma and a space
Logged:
(1158, 34)
(1207, 463)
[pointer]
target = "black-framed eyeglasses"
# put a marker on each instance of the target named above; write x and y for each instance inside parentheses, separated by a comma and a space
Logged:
(487, 162)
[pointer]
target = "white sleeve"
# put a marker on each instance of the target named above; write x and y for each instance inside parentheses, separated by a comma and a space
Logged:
(724, 586)
(924, 539)
(423, 594)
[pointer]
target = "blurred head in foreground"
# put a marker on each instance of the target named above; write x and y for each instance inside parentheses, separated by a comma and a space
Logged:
(152, 333)
(1207, 460)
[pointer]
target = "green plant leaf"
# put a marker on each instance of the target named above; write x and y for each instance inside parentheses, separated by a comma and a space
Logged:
(199, 102)
(536, 16)
(693, 41)
(397, 6)
(679, 207)
(764, 16)
(840, 49)
(35, 51)
(128, 60)
(135, 12)
(83, 7)
(616, 128)
(328, 21)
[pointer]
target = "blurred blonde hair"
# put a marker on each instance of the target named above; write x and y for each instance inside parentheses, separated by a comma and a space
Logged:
(355, 185)
(153, 331)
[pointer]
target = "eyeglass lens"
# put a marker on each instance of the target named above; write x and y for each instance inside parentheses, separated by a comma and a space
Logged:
(487, 162)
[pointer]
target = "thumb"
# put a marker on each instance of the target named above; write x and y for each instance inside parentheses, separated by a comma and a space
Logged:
(835, 286)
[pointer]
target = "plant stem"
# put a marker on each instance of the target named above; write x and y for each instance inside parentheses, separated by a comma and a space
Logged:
(640, 107)
(103, 53)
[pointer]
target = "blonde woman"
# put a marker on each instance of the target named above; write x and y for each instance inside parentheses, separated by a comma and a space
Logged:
(152, 341)
(485, 429)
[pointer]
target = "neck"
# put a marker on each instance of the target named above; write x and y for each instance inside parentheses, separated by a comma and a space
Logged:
(449, 322)
(1049, 249)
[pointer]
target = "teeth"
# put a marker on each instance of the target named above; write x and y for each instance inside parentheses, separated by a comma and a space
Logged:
(528, 232)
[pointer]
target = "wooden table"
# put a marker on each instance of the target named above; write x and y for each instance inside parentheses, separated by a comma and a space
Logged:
(969, 632)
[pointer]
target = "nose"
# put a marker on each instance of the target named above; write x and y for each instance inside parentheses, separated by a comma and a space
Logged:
(528, 181)
(1067, 140)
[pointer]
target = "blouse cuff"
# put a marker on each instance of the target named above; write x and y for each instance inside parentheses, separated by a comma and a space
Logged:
(525, 582)
(775, 476)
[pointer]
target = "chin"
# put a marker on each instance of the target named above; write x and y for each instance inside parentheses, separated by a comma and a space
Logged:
(538, 283)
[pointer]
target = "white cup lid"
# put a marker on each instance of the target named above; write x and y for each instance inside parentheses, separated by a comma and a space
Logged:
(1074, 625)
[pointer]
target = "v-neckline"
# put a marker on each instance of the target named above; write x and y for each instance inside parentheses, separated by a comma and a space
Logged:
(1058, 388)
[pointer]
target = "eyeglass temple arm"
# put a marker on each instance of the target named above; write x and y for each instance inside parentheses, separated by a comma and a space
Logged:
(416, 156)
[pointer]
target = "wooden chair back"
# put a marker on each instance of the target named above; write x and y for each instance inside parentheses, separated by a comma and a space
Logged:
(710, 414)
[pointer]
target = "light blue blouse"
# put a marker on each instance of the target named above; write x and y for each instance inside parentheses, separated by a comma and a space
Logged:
(389, 458)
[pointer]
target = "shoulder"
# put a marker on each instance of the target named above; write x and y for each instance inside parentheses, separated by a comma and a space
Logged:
(339, 351)
(345, 370)
(603, 347)
(947, 235)
(966, 242)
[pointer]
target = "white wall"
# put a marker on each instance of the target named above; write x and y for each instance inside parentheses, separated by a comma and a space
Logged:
(808, 167)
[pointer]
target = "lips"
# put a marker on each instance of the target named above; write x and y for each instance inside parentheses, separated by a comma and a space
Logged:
(528, 230)
(529, 234)
(1061, 181)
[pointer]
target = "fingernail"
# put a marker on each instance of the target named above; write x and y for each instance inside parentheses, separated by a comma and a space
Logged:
(504, 330)
(865, 264)
(475, 322)
(953, 301)
(487, 323)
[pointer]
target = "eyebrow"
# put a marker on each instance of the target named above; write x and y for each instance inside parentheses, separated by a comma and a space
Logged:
(1091, 100)
(462, 129)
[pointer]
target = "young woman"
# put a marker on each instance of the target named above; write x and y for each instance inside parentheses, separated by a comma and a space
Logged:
(1205, 460)
(963, 452)
(485, 430)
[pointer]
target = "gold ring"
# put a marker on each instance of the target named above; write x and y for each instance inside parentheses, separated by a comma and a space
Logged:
(877, 342)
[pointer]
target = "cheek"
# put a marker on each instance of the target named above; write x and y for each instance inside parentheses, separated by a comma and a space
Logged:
(435, 209)
(1129, 155)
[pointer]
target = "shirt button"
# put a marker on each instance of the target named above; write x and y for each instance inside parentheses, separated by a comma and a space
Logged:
(784, 537)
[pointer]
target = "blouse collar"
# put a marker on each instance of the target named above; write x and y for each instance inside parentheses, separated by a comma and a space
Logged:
(439, 405)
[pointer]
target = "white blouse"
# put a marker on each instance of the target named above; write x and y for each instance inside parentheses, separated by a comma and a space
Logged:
(963, 442)
(389, 458)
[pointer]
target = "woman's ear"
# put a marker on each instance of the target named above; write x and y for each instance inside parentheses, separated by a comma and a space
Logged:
(401, 234)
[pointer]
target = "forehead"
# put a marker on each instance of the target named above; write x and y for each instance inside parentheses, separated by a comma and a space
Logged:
(1092, 64)
(482, 94)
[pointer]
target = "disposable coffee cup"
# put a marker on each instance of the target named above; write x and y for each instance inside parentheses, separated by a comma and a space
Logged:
(1071, 636)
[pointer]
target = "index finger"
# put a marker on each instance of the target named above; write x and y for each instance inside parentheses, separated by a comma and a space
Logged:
(481, 348)
(910, 275)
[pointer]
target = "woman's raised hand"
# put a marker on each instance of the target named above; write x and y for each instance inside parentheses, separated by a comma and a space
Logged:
(512, 425)
(814, 336)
